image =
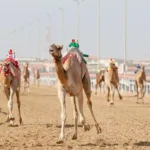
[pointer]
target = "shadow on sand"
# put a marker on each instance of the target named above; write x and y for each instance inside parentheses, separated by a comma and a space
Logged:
(143, 143)
(68, 126)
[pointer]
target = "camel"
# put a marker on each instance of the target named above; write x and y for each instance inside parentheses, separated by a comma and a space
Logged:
(26, 76)
(140, 83)
(36, 76)
(10, 78)
(99, 80)
(112, 83)
(72, 77)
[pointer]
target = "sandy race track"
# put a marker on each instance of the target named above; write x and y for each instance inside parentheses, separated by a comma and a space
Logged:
(124, 126)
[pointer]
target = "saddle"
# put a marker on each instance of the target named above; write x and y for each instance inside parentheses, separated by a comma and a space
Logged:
(69, 55)
(10, 71)
(108, 68)
(15, 63)
(75, 53)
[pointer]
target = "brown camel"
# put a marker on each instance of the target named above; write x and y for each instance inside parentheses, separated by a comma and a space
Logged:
(112, 82)
(140, 83)
(99, 80)
(10, 78)
(26, 76)
(72, 77)
(36, 76)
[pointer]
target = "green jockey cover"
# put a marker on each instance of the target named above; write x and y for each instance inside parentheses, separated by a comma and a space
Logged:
(85, 55)
(72, 44)
(76, 45)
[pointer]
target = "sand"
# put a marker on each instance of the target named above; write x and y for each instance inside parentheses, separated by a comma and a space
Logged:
(125, 126)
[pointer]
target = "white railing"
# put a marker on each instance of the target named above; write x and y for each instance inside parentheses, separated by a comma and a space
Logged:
(126, 85)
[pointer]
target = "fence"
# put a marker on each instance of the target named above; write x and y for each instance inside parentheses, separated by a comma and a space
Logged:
(126, 85)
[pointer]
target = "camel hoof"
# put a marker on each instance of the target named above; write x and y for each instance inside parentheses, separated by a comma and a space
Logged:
(20, 121)
(87, 127)
(11, 119)
(137, 102)
(60, 142)
(7, 120)
(99, 130)
(12, 125)
(95, 93)
(120, 97)
(108, 100)
(74, 137)
(111, 103)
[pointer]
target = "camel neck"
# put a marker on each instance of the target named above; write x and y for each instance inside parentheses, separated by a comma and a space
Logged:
(61, 73)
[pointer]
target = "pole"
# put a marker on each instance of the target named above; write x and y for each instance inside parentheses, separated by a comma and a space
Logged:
(29, 37)
(38, 21)
(98, 34)
(49, 28)
(78, 21)
(62, 28)
(14, 39)
(125, 36)
(78, 26)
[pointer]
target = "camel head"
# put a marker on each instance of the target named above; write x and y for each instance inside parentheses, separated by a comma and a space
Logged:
(112, 66)
(5, 68)
(26, 65)
(142, 68)
(55, 51)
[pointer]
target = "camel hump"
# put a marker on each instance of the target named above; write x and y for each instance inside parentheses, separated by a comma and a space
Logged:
(75, 51)
(14, 62)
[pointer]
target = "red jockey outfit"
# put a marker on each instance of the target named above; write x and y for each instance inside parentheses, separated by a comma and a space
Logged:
(11, 55)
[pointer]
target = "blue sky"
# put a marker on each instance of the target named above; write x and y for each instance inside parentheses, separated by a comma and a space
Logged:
(21, 15)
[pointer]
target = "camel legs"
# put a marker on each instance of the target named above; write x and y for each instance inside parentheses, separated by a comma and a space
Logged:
(7, 93)
(112, 92)
(10, 106)
(100, 87)
(103, 87)
(28, 83)
(82, 118)
(137, 95)
(137, 90)
(75, 114)
(120, 97)
(96, 88)
(19, 104)
(142, 92)
(108, 93)
(37, 82)
(24, 86)
(62, 96)
(87, 89)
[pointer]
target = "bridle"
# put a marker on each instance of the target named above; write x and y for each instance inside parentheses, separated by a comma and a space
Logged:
(57, 59)
(6, 71)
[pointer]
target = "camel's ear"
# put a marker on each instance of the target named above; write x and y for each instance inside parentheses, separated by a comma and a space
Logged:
(52, 45)
(59, 47)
